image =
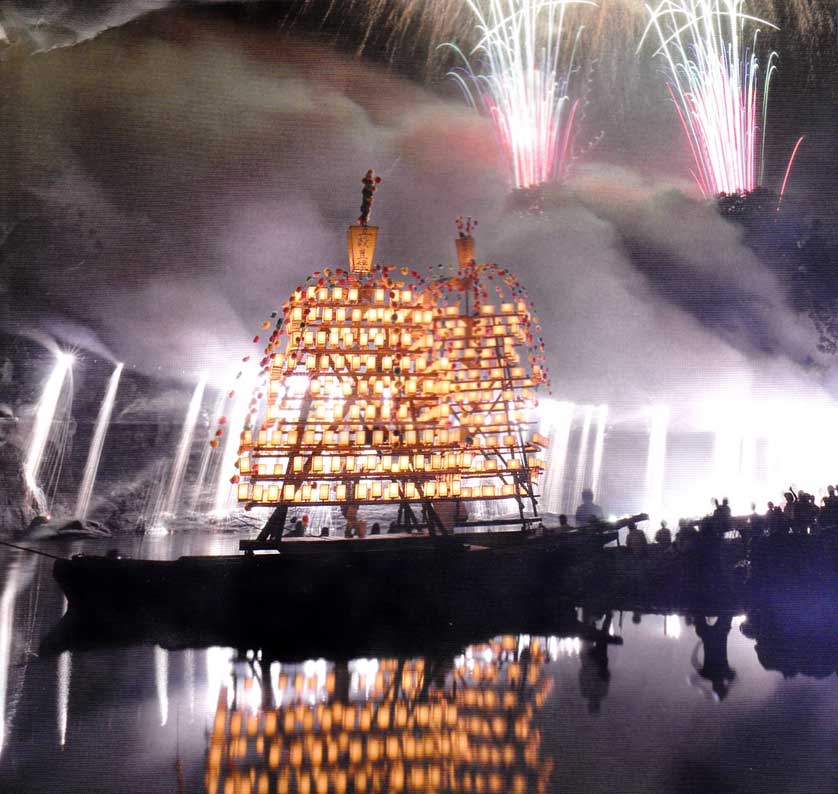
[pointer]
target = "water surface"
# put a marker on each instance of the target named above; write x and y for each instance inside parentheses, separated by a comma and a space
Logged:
(678, 703)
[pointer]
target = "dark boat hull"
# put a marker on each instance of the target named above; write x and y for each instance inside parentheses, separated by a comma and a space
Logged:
(423, 585)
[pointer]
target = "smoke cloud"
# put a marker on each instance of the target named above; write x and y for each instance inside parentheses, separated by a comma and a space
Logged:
(169, 183)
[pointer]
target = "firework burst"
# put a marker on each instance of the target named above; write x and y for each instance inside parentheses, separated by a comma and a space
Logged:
(522, 80)
(718, 88)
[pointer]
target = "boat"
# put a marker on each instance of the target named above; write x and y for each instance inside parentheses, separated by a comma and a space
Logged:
(402, 581)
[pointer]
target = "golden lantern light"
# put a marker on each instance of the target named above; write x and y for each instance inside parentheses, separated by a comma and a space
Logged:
(487, 335)
(471, 728)
(383, 388)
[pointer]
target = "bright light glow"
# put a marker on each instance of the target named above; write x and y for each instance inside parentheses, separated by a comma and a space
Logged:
(656, 463)
(65, 670)
(563, 646)
(44, 417)
(557, 421)
(714, 84)
(579, 481)
(523, 84)
(599, 446)
(161, 680)
(219, 674)
(184, 447)
(189, 679)
(672, 626)
(362, 672)
(94, 455)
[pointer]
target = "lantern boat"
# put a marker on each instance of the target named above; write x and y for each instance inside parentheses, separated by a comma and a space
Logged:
(377, 387)
(381, 387)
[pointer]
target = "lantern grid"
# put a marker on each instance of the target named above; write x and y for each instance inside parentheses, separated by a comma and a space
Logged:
(382, 387)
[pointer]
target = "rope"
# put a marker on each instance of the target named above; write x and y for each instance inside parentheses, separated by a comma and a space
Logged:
(31, 551)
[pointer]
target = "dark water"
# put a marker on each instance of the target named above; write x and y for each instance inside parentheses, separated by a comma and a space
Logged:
(684, 704)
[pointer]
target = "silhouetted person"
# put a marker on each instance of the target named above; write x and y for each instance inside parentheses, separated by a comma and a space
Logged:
(686, 540)
(663, 536)
(778, 523)
(790, 507)
(721, 518)
(563, 525)
(636, 541)
(588, 512)
(829, 512)
(805, 512)
(375, 529)
(324, 532)
(755, 527)
(715, 667)
(299, 529)
(393, 529)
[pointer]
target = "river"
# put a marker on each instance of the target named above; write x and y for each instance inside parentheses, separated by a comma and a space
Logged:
(664, 703)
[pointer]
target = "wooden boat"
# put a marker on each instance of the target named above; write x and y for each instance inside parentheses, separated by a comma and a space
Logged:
(403, 581)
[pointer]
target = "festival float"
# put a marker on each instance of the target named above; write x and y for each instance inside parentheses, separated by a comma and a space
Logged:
(384, 388)
(380, 388)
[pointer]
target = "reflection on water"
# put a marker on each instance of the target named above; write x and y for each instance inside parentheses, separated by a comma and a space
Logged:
(588, 711)
(18, 574)
(376, 725)
(65, 668)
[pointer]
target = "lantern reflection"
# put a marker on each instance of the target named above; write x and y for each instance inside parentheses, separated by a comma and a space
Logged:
(387, 725)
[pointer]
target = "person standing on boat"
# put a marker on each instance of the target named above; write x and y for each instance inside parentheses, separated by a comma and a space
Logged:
(663, 536)
(686, 539)
(636, 541)
(299, 529)
(588, 512)
(350, 513)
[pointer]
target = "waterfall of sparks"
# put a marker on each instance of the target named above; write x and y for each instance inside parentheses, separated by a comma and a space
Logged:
(582, 457)
(599, 446)
(557, 425)
(44, 417)
(714, 82)
(656, 463)
(203, 468)
(91, 467)
(184, 447)
(523, 84)
(225, 496)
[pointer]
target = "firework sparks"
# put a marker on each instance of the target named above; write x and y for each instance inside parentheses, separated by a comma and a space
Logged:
(523, 84)
(714, 81)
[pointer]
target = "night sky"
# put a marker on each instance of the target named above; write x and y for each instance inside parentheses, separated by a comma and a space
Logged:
(170, 174)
